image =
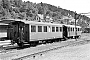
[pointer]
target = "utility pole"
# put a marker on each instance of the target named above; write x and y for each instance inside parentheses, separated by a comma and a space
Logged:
(75, 17)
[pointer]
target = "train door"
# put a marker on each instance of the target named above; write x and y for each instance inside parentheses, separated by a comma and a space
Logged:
(17, 31)
(26, 32)
(9, 32)
(21, 32)
(65, 32)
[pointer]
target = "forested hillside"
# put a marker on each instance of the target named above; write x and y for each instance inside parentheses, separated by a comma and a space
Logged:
(17, 9)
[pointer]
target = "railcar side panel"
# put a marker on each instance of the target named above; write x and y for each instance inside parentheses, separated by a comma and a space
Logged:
(44, 36)
(36, 36)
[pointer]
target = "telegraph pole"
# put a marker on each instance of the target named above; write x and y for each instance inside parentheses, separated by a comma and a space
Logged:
(76, 16)
(75, 25)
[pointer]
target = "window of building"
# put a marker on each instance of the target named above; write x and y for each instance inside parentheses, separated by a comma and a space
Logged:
(33, 28)
(45, 28)
(53, 29)
(39, 28)
(56, 29)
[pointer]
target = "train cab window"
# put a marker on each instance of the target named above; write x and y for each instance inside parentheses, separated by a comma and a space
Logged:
(60, 29)
(45, 28)
(56, 29)
(53, 29)
(39, 28)
(33, 28)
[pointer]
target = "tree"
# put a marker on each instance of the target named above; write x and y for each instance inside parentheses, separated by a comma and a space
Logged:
(40, 10)
(6, 4)
(18, 3)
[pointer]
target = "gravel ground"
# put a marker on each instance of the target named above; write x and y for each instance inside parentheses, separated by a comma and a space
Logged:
(81, 52)
(72, 52)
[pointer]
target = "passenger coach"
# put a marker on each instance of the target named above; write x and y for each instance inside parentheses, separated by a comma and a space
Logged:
(32, 32)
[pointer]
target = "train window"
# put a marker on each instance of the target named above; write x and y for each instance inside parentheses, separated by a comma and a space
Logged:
(45, 28)
(73, 29)
(68, 28)
(49, 29)
(53, 29)
(33, 28)
(78, 29)
(60, 29)
(56, 29)
(39, 28)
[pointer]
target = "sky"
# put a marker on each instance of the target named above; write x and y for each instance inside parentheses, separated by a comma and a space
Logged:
(80, 6)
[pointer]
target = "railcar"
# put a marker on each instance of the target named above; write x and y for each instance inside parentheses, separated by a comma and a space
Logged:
(73, 31)
(32, 32)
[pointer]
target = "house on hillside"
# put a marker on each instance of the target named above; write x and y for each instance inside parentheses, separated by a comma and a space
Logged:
(39, 17)
(48, 19)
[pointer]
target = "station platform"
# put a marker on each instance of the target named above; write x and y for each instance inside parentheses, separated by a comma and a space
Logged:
(6, 42)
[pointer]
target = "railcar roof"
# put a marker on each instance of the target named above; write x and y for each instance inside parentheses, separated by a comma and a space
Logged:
(41, 23)
(72, 26)
(34, 22)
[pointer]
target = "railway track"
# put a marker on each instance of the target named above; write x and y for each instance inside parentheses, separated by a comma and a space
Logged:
(7, 48)
(10, 48)
(45, 51)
